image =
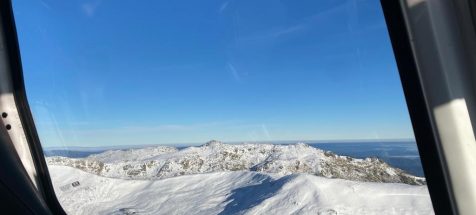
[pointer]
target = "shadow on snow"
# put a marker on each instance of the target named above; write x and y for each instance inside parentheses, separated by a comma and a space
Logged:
(244, 198)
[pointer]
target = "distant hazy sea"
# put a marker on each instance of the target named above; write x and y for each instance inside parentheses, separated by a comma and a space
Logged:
(403, 155)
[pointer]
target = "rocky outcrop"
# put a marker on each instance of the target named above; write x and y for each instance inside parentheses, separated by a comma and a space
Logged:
(214, 156)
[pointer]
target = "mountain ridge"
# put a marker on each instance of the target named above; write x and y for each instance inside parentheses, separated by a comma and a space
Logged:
(214, 156)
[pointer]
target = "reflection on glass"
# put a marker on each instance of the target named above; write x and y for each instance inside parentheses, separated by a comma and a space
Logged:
(220, 107)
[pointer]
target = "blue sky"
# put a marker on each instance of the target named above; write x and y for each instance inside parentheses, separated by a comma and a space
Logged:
(102, 73)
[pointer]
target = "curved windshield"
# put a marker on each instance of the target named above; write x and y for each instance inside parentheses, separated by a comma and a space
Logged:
(220, 107)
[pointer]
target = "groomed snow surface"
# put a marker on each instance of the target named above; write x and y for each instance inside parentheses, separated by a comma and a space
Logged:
(221, 191)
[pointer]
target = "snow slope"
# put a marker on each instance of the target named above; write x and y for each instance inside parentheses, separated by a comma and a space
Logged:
(164, 162)
(239, 192)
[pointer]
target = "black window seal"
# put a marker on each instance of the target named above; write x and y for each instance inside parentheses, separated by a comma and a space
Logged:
(45, 185)
(425, 138)
(432, 162)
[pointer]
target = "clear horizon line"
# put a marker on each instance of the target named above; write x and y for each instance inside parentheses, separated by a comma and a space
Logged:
(238, 142)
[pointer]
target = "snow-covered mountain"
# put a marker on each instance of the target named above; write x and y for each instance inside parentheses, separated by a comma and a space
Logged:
(237, 192)
(165, 162)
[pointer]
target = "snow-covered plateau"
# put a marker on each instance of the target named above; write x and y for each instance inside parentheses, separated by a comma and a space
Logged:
(218, 178)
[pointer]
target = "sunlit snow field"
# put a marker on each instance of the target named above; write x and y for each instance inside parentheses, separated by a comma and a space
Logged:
(218, 178)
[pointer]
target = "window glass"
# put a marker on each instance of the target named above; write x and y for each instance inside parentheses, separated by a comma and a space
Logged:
(220, 107)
